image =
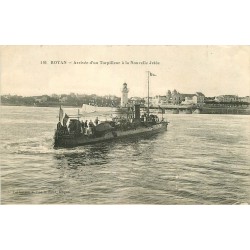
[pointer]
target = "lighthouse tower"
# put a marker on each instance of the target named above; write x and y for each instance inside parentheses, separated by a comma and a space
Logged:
(124, 99)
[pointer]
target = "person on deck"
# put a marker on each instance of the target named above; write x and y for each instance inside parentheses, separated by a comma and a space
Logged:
(91, 126)
(96, 121)
(85, 127)
(142, 118)
(59, 126)
(153, 120)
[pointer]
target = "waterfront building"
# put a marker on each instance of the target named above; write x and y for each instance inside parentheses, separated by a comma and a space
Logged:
(41, 99)
(178, 98)
(169, 97)
(159, 100)
(190, 99)
(244, 99)
(136, 100)
(227, 98)
(200, 97)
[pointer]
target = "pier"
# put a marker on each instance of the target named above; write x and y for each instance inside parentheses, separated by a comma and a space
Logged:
(204, 109)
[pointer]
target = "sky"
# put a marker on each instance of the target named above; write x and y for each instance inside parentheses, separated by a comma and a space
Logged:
(212, 70)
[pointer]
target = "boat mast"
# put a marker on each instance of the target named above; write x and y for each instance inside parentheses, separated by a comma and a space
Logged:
(148, 95)
(149, 74)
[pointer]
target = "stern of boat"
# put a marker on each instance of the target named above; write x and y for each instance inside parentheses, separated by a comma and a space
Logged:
(64, 140)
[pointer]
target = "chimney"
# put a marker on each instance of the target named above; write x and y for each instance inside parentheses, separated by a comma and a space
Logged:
(137, 112)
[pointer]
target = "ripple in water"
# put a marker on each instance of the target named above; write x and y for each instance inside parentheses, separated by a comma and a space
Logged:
(201, 159)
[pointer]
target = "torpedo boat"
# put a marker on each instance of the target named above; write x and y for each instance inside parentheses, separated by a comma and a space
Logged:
(72, 132)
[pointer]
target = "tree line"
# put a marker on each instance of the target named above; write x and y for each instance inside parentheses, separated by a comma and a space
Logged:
(54, 100)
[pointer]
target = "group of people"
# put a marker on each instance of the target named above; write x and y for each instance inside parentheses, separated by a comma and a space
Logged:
(78, 127)
(144, 117)
(88, 128)
(151, 118)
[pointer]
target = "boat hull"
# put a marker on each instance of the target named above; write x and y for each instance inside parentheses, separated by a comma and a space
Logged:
(73, 140)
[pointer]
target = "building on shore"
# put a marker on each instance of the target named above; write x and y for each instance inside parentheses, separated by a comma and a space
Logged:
(245, 99)
(177, 98)
(159, 100)
(227, 98)
(41, 99)
(150, 100)
(136, 100)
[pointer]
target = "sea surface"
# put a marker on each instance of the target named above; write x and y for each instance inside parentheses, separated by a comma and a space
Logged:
(201, 159)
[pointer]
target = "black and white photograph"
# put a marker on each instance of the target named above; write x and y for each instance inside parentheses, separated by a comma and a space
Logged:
(165, 125)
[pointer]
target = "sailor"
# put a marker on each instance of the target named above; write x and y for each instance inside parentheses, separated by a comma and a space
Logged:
(85, 126)
(142, 118)
(78, 127)
(153, 120)
(59, 126)
(96, 121)
(91, 125)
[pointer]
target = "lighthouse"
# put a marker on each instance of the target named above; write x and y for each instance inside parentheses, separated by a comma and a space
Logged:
(124, 99)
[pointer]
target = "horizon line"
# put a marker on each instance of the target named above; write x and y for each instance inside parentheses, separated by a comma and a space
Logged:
(14, 94)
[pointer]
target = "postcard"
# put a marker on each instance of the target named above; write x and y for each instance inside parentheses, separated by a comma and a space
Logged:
(148, 125)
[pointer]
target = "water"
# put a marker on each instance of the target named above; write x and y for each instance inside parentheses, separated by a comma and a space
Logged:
(201, 159)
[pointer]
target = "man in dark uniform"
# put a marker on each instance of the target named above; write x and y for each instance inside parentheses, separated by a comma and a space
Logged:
(96, 121)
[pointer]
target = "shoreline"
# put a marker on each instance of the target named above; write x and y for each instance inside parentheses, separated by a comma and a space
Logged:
(207, 110)
(39, 106)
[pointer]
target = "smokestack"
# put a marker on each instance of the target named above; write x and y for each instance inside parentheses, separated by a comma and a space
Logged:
(137, 112)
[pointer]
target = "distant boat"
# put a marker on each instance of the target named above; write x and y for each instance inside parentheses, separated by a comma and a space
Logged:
(87, 109)
(134, 125)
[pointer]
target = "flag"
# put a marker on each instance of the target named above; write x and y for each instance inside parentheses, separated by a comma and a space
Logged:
(151, 74)
(61, 114)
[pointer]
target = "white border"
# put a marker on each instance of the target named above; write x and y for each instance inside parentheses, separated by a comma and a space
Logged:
(124, 227)
(124, 22)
